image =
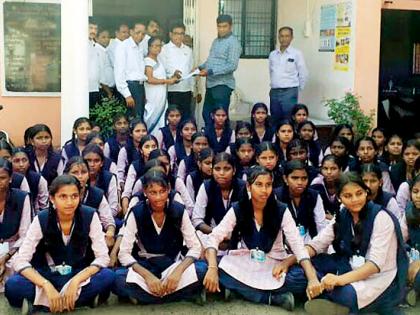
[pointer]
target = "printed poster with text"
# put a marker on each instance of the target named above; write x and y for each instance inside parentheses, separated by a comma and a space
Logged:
(327, 28)
(343, 36)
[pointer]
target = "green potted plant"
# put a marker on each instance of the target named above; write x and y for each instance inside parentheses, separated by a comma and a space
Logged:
(346, 110)
(103, 113)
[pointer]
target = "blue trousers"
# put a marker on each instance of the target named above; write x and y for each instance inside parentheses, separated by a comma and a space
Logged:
(19, 288)
(215, 97)
(139, 95)
(295, 283)
(125, 290)
(282, 102)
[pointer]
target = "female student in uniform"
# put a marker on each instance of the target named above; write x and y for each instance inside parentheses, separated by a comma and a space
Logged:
(18, 180)
(368, 271)
(243, 130)
(81, 129)
(304, 203)
(217, 194)
(266, 155)
(166, 136)
(158, 228)
(182, 146)
(189, 164)
(203, 172)
(404, 170)
(108, 164)
(372, 177)
(284, 134)
(92, 196)
(346, 131)
(101, 178)
(340, 147)
(255, 271)
(37, 184)
(64, 245)
(260, 123)
(118, 139)
(366, 151)
(325, 185)
(42, 157)
(307, 132)
(244, 157)
(147, 144)
(300, 114)
(15, 218)
(219, 133)
(378, 134)
(393, 150)
(131, 151)
(297, 150)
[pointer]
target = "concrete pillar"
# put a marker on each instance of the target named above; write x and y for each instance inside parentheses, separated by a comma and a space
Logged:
(74, 69)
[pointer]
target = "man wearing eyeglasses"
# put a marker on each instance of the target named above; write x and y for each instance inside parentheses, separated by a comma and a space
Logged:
(177, 59)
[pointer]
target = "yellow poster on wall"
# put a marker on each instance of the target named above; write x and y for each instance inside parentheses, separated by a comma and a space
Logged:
(343, 36)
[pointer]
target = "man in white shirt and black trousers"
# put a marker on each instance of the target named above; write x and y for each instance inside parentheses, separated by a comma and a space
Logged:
(129, 70)
(94, 64)
(288, 75)
(177, 59)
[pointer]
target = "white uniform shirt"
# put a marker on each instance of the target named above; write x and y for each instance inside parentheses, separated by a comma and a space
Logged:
(129, 65)
(178, 58)
(94, 68)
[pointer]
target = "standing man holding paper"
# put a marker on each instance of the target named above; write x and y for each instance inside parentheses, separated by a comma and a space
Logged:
(288, 75)
(177, 59)
(222, 61)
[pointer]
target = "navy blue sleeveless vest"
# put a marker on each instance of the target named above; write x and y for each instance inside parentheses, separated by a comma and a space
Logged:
(49, 172)
(305, 210)
(344, 249)
(190, 163)
(168, 139)
(78, 253)
(258, 239)
(331, 207)
(139, 167)
(413, 222)
(180, 151)
(94, 197)
(314, 149)
(114, 148)
(12, 213)
(107, 164)
(197, 180)
(33, 179)
(132, 153)
(169, 241)
(383, 198)
(268, 136)
(71, 149)
(218, 146)
(215, 207)
(17, 180)
(103, 180)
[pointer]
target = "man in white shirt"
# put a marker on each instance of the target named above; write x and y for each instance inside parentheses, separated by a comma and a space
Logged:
(121, 34)
(106, 70)
(129, 71)
(177, 59)
(94, 70)
(288, 75)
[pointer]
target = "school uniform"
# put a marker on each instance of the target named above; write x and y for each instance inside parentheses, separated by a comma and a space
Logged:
(193, 183)
(77, 250)
(315, 154)
(135, 171)
(398, 174)
(69, 150)
(387, 185)
(14, 224)
(219, 144)
(112, 148)
(127, 155)
(110, 166)
(158, 249)
(39, 190)
(254, 280)
(269, 135)
(309, 216)
(210, 207)
(108, 183)
(388, 202)
(18, 181)
(410, 227)
(95, 198)
(382, 244)
(186, 166)
(49, 170)
(330, 202)
(165, 138)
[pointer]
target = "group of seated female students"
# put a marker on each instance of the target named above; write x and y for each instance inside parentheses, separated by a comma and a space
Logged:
(257, 212)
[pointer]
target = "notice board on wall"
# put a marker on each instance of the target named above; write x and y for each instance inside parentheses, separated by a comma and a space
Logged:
(31, 48)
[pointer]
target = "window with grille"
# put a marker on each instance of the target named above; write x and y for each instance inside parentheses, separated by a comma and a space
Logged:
(254, 23)
(416, 58)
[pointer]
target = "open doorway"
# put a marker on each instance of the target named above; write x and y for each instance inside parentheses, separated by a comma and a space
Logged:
(399, 79)
(111, 13)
